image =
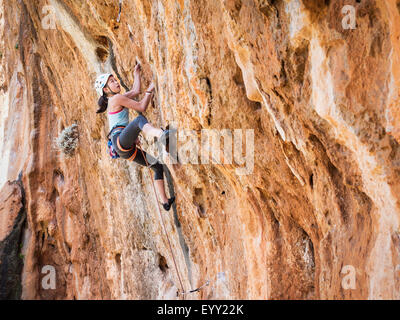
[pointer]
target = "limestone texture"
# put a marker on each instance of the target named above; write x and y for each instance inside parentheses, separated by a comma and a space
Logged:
(316, 218)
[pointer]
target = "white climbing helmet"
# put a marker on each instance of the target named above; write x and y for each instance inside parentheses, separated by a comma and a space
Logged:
(101, 82)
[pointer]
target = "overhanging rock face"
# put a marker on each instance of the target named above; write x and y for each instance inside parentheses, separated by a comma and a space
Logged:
(313, 213)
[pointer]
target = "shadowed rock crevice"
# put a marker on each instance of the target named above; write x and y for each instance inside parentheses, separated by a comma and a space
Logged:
(12, 208)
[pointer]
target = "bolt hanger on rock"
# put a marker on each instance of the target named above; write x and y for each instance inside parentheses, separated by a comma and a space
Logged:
(120, 10)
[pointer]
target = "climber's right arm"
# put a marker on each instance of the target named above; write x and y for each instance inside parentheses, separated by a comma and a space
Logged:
(141, 106)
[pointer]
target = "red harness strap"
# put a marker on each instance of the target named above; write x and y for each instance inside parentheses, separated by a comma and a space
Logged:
(120, 147)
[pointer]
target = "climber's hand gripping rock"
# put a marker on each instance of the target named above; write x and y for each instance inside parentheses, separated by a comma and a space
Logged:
(151, 88)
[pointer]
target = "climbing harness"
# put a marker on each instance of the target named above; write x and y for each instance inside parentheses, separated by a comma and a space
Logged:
(110, 147)
(111, 151)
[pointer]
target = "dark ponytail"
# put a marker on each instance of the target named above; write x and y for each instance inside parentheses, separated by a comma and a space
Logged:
(103, 103)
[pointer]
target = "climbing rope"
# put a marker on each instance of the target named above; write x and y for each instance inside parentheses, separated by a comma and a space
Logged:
(163, 225)
(183, 293)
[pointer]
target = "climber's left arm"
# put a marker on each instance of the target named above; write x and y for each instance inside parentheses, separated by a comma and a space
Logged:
(136, 85)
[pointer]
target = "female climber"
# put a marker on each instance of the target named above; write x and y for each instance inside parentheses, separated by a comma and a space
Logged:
(124, 134)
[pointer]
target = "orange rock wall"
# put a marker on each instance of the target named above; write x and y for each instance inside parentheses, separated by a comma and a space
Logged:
(322, 101)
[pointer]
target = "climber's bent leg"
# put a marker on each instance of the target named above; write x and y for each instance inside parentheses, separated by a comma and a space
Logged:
(128, 136)
(158, 174)
(153, 164)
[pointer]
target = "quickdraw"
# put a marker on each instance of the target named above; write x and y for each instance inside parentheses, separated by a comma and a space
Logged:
(120, 10)
(196, 290)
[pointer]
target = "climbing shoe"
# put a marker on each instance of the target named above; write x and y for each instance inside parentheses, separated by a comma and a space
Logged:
(167, 205)
(164, 139)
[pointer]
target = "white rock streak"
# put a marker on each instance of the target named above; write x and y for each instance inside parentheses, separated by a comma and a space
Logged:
(86, 46)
